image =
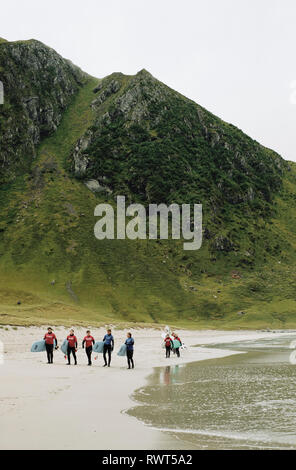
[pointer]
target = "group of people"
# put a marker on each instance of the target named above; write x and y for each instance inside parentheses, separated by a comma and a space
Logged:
(51, 343)
(169, 345)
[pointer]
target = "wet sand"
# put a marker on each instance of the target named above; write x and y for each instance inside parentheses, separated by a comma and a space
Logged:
(45, 406)
(244, 401)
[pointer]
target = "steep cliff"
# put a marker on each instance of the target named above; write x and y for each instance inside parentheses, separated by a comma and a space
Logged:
(38, 85)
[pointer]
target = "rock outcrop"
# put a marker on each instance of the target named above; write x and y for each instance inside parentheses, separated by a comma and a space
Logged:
(38, 85)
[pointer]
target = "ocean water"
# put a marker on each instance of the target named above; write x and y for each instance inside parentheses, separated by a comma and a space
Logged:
(246, 401)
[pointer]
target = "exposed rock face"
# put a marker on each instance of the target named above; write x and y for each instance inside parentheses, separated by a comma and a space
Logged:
(137, 101)
(221, 243)
(81, 160)
(133, 103)
(38, 84)
(96, 187)
(112, 87)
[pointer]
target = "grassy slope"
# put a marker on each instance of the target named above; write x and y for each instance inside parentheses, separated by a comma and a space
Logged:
(46, 233)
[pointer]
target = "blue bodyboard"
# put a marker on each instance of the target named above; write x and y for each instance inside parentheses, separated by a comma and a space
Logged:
(176, 344)
(122, 350)
(38, 346)
(98, 347)
(64, 347)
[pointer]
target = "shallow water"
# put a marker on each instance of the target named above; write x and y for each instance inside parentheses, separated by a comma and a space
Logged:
(246, 401)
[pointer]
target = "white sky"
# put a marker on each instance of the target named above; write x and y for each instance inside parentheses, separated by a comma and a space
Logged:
(234, 57)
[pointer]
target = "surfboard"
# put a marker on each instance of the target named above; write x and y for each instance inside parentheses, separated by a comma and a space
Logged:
(122, 350)
(98, 347)
(64, 347)
(176, 344)
(39, 346)
(167, 330)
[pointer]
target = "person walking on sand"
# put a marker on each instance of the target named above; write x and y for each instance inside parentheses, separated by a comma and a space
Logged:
(108, 347)
(72, 347)
(177, 350)
(168, 346)
(49, 339)
(88, 341)
(130, 350)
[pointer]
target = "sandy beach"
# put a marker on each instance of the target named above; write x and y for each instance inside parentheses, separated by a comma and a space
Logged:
(45, 406)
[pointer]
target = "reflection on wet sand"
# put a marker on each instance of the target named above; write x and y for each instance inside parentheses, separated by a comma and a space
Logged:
(243, 401)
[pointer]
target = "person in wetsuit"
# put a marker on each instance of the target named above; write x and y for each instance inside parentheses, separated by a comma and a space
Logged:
(49, 339)
(168, 345)
(177, 350)
(72, 347)
(108, 347)
(88, 341)
(130, 350)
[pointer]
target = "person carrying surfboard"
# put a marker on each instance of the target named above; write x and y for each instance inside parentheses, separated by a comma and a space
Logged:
(49, 339)
(176, 338)
(130, 350)
(108, 347)
(88, 341)
(72, 347)
(168, 345)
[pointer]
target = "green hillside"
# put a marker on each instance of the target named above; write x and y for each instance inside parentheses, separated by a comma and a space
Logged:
(138, 138)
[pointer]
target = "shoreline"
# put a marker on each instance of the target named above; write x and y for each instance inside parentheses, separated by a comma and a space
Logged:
(78, 407)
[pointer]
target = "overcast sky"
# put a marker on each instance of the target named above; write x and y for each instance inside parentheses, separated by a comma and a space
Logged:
(234, 57)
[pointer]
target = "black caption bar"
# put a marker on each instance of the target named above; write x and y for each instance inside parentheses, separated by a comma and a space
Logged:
(93, 459)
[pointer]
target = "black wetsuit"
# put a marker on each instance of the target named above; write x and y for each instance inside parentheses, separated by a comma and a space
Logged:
(168, 347)
(50, 342)
(88, 342)
(130, 360)
(72, 349)
(108, 348)
(88, 351)
(69, 351)
(49, 350)
(178, 349)
(130, 352)
(168, 351)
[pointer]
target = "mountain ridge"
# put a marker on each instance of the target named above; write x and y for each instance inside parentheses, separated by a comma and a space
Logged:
(137, 137)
